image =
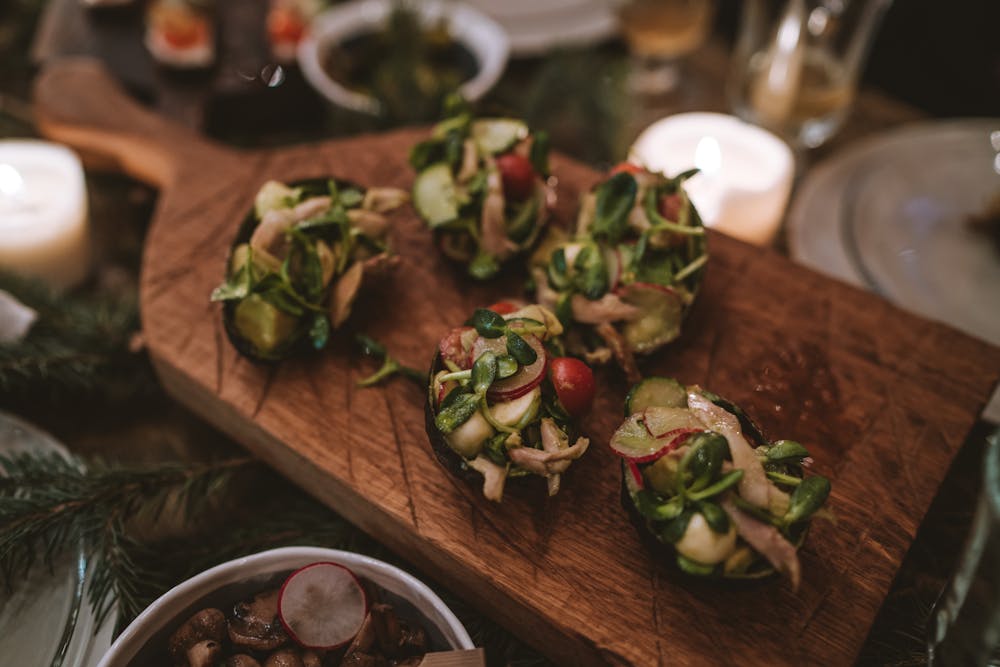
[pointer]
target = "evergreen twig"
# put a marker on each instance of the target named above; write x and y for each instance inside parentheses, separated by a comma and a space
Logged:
(49, 504)
(78, 346)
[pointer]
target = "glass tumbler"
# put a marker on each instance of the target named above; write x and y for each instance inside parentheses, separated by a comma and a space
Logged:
(964, 628)
(796, 64)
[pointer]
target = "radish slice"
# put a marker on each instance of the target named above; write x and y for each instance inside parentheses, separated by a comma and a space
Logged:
(525, 379)
(322, 606)
(633, 468)
(648, 435)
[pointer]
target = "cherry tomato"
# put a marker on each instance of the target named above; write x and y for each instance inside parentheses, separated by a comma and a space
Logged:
(625, 167)
(574, 384)
(503, 307)
(284, 26)
(452, 350)
(518, 176)
(670, 206)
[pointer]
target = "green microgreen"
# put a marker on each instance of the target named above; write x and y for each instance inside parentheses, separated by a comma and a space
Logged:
(390, 366)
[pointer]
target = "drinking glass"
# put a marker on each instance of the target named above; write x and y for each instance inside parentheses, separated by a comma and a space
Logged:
(964, 627)
(659, 33)
(796, 64)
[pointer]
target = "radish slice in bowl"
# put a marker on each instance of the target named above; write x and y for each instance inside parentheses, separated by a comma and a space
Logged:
(322, 605)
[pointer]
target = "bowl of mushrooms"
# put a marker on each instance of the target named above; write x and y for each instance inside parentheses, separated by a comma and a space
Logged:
(291, 607)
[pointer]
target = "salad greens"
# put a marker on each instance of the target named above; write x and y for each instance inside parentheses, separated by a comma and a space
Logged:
(492, 407)
(298, 262)
(481, 187)
(725, 501)
(624, 281)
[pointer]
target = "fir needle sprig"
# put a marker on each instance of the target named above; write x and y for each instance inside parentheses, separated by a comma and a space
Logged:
(50, 504)
(78, 346)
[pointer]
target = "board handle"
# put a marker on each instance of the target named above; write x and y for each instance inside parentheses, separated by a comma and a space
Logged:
(79, 103)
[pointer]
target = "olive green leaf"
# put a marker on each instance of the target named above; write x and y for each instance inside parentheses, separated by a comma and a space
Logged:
(808, 497)
(784, 450)
(520, 350)
(487, 323)
(615, 199)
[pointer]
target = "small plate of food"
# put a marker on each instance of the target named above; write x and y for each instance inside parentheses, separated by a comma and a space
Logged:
(504, 402)
(180, 33)
(482, 187)
(298, 262)
(400, 60)
(302, 606)
(707, 491)
(624, 280)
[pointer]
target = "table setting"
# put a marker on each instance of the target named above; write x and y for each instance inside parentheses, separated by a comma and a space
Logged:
(299, 299)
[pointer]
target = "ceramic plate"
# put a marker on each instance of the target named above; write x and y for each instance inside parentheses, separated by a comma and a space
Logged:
(538, 26)
(891, 214)
(45, 620)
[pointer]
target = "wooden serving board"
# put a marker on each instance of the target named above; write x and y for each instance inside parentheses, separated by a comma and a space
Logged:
(883, 399)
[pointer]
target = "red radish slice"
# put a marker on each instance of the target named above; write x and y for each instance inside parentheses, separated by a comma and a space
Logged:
(322, 606)
(648, 435)
(525, 379)
(633, 468)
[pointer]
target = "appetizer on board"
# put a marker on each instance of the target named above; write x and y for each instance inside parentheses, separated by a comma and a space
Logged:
(623, 283)
(298, 263)
(502, 403)
(481, 186)
(707, 490)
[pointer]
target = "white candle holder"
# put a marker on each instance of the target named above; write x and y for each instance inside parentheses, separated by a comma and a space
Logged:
(746, 172)
(44, 226)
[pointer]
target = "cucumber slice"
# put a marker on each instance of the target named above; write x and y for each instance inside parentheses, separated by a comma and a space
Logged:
(660, 321)
(498, 135)
(655, 392)
(434, 195)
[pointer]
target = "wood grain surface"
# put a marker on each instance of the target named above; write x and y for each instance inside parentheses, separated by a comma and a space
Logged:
(881, 398)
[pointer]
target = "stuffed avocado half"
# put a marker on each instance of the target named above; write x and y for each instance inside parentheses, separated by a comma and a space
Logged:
(298, 261)
(481, 186)
(624, 280)
(704, 487)
(502, 403)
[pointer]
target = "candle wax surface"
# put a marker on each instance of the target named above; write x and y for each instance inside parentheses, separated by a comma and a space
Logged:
(43, 212)
(745, 172)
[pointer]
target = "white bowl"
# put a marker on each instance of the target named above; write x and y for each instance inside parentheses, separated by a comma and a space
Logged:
(144, 641)
(477, 32)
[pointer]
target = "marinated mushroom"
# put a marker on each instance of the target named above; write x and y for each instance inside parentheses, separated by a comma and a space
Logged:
(204, 653)
(241, 660)
(207, 625)
(286, 657)
(255, 624)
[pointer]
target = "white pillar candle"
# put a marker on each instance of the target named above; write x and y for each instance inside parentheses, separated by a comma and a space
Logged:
(44, 229)
(746, 172)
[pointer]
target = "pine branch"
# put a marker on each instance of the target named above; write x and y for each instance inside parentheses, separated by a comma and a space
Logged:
(77, 347)
(49, 505)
